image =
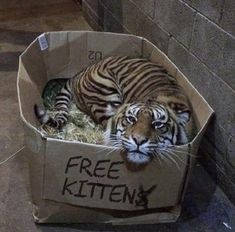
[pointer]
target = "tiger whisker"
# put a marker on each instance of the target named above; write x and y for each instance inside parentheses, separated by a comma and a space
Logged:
(106, 148)
(179, 153)
(109, 152)
(164, 157)
(177, 156)
(159, 154)
(112, 150)
(182, 152)
(116, 142)
(168, 156)
(125, 142)
(117, 145)
(158, 158)
(180, 159)
(113, 140)
(101, 150)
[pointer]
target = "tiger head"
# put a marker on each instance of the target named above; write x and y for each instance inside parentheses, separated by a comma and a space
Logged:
(145, 130)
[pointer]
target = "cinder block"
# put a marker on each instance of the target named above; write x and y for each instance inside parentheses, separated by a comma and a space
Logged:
(228, 18)
(147, 6)
(93, 4)
(177, 18)
(190, 66)
(222, 99)
(217, 136)
(210, 8)
(219, 95)
(221, 160)
(209, 153)
(124, 11)
(110, 23)
(147, 28)
(114, 6)
(230, 152)
(215, 48)
(91, 16)
(212, 162)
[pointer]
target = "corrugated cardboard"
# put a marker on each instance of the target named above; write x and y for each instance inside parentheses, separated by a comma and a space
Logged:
(78, 182)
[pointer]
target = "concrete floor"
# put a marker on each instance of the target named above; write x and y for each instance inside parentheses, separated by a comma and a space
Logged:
(205, 208)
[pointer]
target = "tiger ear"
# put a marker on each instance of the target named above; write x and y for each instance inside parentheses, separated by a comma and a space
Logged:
(182, 112)
(183, 116)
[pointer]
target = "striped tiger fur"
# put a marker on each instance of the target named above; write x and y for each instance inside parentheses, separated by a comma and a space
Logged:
(148, 129)
(139, 102)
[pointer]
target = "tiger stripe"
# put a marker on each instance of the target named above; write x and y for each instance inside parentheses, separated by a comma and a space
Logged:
(100, 89)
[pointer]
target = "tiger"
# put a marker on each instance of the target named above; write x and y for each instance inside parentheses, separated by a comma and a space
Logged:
(141, 106)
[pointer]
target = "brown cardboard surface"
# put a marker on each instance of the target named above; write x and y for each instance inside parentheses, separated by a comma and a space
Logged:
(83, 175)
(74, 182)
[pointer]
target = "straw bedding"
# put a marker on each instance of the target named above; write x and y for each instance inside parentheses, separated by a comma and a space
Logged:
(80, 127)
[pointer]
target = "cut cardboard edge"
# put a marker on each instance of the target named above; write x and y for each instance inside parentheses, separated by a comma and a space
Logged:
(146, 219)
(30, 126)
(152, 218)
(19, 98)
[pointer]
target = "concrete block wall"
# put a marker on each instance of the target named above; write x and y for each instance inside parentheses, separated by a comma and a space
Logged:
(199, 37)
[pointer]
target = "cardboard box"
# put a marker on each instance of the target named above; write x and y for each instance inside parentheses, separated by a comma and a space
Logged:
(78, 182)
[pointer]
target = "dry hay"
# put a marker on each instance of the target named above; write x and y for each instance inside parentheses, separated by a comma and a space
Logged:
(79, 127)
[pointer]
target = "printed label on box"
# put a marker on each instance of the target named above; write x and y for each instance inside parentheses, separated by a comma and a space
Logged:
(42, 42)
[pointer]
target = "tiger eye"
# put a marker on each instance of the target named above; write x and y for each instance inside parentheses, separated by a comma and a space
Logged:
(131, 119)
(158, 124)
(115, 104)
(163, 117)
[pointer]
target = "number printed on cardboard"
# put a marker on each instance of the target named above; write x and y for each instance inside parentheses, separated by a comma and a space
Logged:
(95, 55)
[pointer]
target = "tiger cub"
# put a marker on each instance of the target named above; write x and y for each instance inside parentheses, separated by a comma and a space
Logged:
(141, 105)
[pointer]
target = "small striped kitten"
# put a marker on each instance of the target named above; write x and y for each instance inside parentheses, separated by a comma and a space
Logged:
(140, 104)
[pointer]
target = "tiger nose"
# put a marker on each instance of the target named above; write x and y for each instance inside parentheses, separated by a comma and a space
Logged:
(139, 139)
